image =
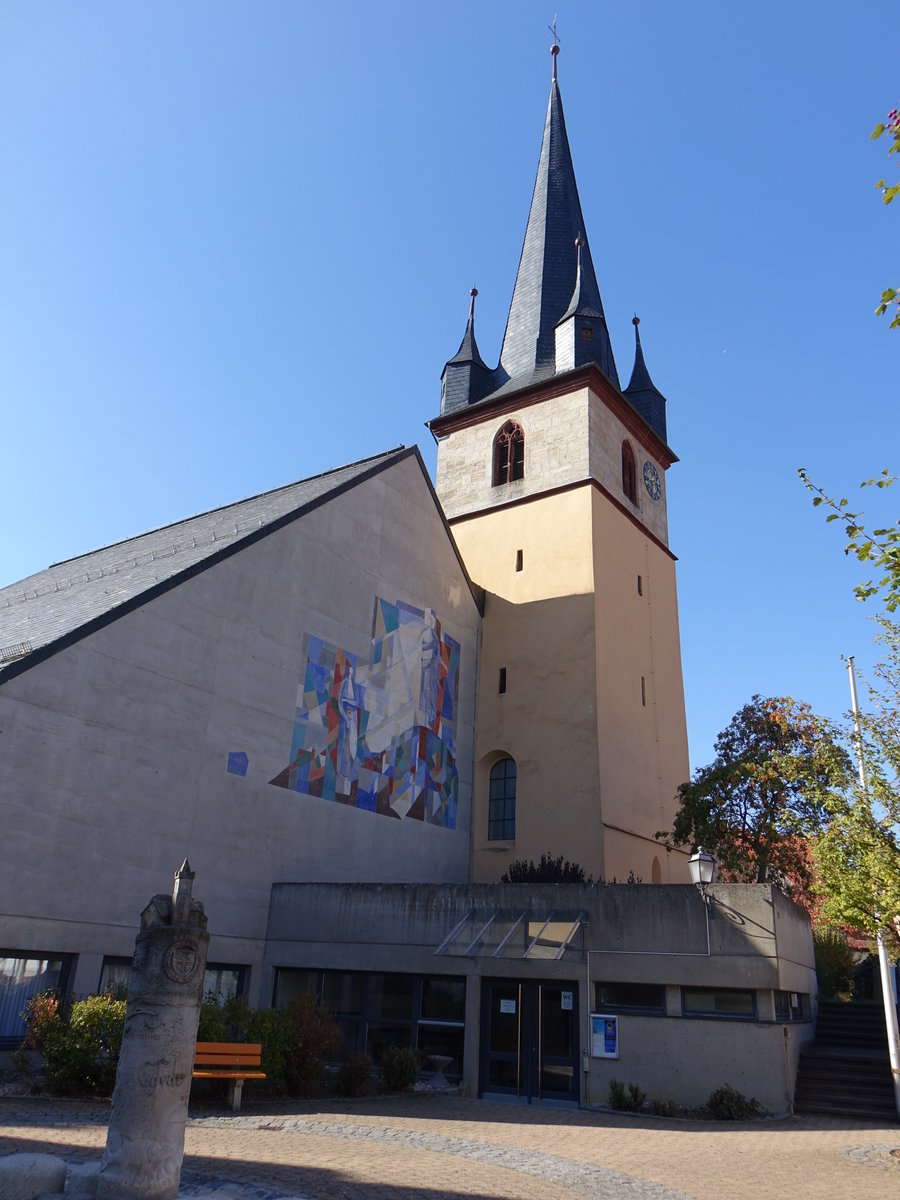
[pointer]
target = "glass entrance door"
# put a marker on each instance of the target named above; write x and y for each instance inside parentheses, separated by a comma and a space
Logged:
(529, 1041)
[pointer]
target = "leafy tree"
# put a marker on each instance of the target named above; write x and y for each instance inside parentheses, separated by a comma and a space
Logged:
(878, 547)
(859, 852)
(548, 870)
(890, 297)
(777, 766)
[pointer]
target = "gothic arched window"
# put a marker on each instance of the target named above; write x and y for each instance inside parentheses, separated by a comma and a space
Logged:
(502, 802)
(509, 454)
(629, 473)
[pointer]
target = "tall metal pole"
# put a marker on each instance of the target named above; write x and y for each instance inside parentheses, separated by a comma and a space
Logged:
(884, 963)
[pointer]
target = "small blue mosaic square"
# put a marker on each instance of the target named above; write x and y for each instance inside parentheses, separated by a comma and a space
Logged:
(237, 763)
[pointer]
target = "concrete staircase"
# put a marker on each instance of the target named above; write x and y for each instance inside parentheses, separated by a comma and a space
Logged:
(846, 1072)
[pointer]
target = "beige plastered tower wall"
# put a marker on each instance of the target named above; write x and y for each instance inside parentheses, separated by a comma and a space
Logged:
(586, 630)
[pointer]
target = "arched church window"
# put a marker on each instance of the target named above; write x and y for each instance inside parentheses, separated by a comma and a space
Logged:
(509, 454)
(629, 473)
(502, 802)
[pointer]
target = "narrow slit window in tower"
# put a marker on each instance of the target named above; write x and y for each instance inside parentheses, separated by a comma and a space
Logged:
(518, 560)
(501, 683)
(629, 473)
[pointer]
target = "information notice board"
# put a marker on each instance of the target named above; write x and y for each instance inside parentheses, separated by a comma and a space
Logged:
(604, 1035)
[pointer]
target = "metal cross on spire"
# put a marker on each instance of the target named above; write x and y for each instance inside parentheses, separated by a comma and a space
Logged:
(554, 49)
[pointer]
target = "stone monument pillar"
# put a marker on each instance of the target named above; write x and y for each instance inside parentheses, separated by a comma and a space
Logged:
(145, 1140)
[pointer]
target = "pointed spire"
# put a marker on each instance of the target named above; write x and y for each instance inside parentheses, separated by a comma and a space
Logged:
(466, 377)
(181, 893)
(642, 393)
(548, 272)
(578, 305)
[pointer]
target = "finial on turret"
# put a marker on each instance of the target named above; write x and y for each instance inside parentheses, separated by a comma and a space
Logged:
(554, 49)
(181, 893)
(473, 292)
(635, 320)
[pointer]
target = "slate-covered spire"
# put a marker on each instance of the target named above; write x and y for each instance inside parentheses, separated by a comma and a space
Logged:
(642, 393)
(546, 281)
(466, 378)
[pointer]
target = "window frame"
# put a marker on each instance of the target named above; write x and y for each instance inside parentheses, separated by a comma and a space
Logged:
(629, 472)
(712, 1014)
(800, 1012)
(502, 825)
(619, 1006)
(11, 1041)
(508, 457)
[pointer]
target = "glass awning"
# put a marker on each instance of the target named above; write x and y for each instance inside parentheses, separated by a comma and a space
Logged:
(508, 933)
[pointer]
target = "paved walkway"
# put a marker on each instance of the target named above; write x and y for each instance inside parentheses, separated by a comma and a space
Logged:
(432, 1147)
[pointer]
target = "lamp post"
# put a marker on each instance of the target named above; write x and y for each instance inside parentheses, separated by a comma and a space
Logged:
(702, 866)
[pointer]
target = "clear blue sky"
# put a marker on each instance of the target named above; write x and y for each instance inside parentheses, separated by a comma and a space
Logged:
(236, 243)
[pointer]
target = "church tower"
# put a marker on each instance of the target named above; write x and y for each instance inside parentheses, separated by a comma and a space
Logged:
(553, 479)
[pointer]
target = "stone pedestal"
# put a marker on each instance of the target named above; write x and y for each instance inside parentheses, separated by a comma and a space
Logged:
(145, 1141)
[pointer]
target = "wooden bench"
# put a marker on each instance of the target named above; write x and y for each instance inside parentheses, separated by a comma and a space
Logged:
(234, 1061)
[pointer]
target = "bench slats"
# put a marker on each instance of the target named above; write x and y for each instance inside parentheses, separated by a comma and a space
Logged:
(220, 1060)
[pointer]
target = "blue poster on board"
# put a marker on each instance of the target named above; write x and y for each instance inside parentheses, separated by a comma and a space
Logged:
(604, 1035)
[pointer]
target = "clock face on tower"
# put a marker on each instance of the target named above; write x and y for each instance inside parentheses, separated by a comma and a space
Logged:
(651, 481)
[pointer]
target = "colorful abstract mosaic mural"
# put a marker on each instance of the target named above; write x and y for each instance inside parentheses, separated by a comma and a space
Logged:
(380, 735)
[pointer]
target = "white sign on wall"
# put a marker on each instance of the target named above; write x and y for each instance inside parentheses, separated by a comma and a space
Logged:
(566, 1004)
(507, 1006)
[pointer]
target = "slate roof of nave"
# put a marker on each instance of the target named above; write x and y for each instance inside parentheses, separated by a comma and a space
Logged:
(69, 595)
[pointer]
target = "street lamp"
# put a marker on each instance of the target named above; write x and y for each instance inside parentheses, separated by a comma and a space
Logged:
(703, 867)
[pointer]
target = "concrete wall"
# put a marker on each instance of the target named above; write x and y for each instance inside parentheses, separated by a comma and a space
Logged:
(115, 750)
(634, 934)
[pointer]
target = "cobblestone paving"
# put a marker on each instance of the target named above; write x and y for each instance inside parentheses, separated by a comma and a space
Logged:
(450, 1148)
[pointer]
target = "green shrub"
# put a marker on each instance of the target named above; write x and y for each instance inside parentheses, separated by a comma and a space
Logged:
(272, 1029)
(548, 870)
(664, 1108)
(315, 1037)
(211, 1027)
(728, 1104)
(834, 962)
(400, 1068)
(355, 1072)
(79, 1046)
(237, 1014)
(625, 1097)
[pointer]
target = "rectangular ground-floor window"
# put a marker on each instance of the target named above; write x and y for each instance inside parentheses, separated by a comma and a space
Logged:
(719, 1002)
(792, 1006)
(21, 977)
(630, 997)
(376, 1010)
(222, 979)
(114, 974)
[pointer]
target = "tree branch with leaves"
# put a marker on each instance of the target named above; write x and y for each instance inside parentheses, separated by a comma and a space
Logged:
(879, 547)
(890, 297)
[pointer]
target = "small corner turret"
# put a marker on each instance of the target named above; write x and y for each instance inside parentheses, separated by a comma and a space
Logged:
(466, 378)
(642, 394)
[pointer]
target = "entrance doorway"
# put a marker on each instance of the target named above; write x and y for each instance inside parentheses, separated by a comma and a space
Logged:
(529, 1041)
